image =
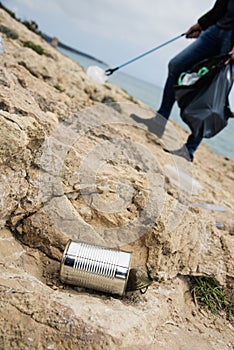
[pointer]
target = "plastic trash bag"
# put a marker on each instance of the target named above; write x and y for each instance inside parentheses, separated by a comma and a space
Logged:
(204, 105)
(97, 74)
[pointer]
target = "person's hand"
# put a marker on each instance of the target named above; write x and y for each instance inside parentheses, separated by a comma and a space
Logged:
(193, 31)
(232, 53)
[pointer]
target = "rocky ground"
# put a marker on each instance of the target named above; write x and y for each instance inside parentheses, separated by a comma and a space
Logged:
(75, 165)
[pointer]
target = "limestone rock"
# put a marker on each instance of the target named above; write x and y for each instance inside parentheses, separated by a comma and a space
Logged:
(75, 166)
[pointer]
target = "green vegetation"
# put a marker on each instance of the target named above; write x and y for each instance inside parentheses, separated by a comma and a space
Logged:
(37, 48)
(110, 101)
(10, 34)
(207, 292)
(32, 25)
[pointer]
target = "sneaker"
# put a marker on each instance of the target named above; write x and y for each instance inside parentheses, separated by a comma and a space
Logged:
(156, 125)
(181, 152)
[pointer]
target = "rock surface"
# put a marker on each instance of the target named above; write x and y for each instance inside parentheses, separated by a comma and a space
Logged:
(74, 167)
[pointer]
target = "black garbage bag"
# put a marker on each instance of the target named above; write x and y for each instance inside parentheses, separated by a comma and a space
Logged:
(202, 95)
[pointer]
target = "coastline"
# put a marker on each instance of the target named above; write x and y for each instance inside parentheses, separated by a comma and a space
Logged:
(71, 49)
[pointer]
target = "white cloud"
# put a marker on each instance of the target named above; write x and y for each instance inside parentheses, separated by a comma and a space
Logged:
(132, 21)
(129, 20)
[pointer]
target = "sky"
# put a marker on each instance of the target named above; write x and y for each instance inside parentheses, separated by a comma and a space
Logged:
(117, 30)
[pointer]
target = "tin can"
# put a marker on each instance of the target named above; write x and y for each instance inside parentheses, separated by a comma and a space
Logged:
(95, 267)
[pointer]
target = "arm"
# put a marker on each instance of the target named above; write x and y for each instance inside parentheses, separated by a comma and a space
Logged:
(211, 17)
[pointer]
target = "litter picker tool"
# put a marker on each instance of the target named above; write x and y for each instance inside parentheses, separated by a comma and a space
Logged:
(100, 76)
(112, 70)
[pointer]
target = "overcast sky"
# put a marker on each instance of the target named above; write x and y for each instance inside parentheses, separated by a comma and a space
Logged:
(117, 30)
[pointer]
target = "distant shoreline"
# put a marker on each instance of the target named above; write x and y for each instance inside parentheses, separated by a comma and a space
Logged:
(71, 49)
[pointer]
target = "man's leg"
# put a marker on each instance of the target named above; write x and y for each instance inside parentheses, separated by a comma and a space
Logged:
(203, 47)
(207, 45)
(192, 144)
(188, 149)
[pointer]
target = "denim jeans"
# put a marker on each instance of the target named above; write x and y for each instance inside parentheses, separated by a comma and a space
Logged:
(213, 41)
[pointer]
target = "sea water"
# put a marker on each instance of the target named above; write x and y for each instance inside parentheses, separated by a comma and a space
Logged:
(150, 94)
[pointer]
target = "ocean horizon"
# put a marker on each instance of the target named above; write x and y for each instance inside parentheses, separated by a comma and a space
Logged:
(150, 94)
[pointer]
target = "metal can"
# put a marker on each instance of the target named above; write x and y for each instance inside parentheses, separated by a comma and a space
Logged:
(95, 267)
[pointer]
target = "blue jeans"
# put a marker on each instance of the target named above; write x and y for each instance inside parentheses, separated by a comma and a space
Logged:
(213, 41)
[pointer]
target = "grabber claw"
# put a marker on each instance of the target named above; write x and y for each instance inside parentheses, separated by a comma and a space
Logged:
(111, 71)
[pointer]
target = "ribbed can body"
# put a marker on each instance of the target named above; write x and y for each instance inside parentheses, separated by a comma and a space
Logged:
(95, 267)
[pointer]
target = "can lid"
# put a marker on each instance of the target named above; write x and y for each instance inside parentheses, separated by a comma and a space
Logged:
(64, 256)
